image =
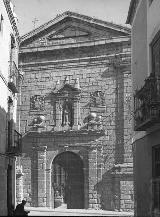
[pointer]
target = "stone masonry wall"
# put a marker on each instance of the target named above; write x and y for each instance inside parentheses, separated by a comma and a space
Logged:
(113, 182)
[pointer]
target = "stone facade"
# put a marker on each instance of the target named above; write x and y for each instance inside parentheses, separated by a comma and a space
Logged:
(76, 116)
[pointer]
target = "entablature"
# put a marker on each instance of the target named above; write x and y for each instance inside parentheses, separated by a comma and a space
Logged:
(96, 42)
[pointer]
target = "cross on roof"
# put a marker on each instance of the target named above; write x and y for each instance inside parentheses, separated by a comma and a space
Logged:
(34, 22)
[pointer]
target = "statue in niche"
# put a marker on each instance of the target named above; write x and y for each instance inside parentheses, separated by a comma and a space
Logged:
(67, 114)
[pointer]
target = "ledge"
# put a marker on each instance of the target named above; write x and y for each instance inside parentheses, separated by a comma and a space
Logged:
(69, 133)
(83, 60)
(73, 45)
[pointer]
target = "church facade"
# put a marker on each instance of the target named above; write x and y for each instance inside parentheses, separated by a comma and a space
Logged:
(75, 115)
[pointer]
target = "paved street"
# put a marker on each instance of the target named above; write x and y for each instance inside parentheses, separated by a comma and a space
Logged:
(74, 212)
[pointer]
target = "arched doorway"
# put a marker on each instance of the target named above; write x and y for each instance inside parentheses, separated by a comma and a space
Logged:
(68, 180)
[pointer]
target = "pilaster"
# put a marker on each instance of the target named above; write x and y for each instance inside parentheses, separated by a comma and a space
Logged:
(58, 116)
(76, 114)
(49, 195)
(94, 202)
(39, 176)
(19, 184)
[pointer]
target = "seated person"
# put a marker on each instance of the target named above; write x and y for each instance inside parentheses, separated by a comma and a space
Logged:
(19, 211)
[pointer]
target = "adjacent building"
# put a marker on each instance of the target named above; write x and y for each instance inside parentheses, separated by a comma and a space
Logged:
(75, 114)
(144, 17)
(9, 87)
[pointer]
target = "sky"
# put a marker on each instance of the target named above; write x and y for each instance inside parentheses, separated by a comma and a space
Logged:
(44, 10)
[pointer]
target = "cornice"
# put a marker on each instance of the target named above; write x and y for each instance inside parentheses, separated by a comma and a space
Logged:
(3, 79)
(70, 133)
(74, 45)
(132, 11)
(62, 16)
(125, 59)
(12, 19)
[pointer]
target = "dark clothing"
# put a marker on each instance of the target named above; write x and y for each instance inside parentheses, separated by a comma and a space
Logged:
(19, 211)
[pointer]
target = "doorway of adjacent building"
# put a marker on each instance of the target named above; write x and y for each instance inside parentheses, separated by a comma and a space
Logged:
(68, 181)
(9, 189)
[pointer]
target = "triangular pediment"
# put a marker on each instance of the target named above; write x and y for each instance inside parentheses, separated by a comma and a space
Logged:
(68, 32)
(75, 27)
(66, 89)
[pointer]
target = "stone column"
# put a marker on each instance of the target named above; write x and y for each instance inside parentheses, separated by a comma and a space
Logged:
(76, 114)
(58, 116)
(86, 190)
(39, 176)
(48, 189)
(116, 193)
(19, 184)
(93, 179)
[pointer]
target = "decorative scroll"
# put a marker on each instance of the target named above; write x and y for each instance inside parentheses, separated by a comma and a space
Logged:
(97, 99)
(42, 41)
(37, 102)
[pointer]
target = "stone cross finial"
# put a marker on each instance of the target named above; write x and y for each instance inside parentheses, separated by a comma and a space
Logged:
(34, 22)
(77, 83)
(66, 80)
(58, 82)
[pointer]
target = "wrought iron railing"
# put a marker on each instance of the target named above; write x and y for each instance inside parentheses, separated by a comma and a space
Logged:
(147, 104)
(14, 77)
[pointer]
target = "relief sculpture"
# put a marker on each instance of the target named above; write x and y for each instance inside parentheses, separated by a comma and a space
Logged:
(97, 99)
(37, 102)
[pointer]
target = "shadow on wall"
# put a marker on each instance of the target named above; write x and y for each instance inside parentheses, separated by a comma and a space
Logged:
(111, 191)
(113, 185)
(118, 76)
(6, 163)
(105, 190)
(3, 122)
(119, 117)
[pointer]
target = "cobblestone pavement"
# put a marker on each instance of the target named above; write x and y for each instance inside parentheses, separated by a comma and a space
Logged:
(75, 212)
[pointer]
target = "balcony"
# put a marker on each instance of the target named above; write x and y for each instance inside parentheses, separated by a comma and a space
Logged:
(15, 144)
(147, 104)
(13, 78)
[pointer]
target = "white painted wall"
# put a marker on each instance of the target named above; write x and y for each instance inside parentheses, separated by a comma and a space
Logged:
(5, 43)
(139, 46)
(145, 26)
(153, 19)
(153, 25)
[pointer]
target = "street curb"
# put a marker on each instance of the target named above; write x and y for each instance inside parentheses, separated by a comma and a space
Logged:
(85, 211)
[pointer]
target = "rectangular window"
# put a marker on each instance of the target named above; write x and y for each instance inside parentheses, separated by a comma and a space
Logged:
(156, 179)
(1, 23)
(155, 49)
(156, 162)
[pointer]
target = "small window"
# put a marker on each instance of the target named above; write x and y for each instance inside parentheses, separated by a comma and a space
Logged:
(156, 162)
(155, 45)
(13, 42)
(150, 2)
(1, 23)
